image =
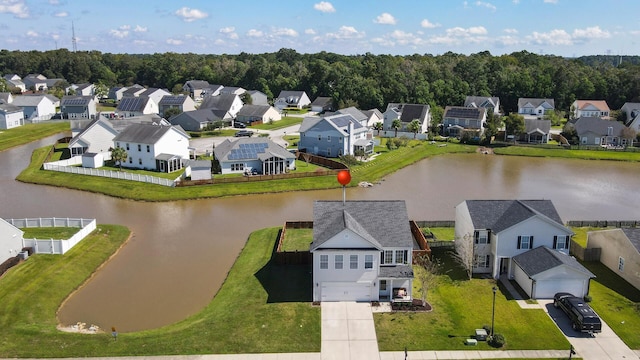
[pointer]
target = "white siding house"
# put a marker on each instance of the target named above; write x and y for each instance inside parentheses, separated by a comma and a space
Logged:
(11, 116)
(154, 147)
(97, 138)
(10, 240)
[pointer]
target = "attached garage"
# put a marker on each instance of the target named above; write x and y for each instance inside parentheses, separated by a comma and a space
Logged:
(543, 272)
(345, 291)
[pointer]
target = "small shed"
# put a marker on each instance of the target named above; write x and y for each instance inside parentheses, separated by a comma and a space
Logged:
(200, 169)
(92, 160)
(543, 272)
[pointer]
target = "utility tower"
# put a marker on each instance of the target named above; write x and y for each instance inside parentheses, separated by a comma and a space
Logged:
(73, 38)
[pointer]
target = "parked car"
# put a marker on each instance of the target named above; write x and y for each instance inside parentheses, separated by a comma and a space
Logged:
(582, 317)
(247, 133)
(239, 125)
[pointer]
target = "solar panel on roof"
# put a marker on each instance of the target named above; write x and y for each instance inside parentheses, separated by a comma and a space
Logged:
(463, 112)
(172, 100)
(76, 101)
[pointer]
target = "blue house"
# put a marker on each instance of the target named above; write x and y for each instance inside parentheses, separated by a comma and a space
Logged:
(334, 135)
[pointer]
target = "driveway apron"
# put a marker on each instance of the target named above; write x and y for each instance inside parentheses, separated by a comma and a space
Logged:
(348, 332)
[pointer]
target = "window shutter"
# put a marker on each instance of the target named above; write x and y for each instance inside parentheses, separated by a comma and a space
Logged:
(531, 242)
(382, 257)
(489, 237)
(555, 242)
(519, 241)
(476, 235)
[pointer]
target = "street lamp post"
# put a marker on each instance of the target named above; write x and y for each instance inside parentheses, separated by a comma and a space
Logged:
(493, 312)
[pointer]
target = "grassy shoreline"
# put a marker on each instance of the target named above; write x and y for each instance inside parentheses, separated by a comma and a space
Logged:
(28, 133)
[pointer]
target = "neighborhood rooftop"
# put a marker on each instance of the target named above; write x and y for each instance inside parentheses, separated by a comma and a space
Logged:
(498, 215)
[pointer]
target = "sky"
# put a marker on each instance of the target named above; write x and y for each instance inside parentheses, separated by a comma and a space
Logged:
(398, 27)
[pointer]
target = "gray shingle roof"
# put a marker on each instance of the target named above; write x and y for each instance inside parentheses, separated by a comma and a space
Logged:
(27, 100)
(478, 101)
(532, 125)
(409, 112)
(357, 114)
(382, 223)
(322, 101)
(498, 215)
(633, 234)
(598, 126)
(535, 102)
(219, 102)
(142, 133)
(542, 258)
(75, 100)
(202, 116)
(461, 112)
(225, 149)
(309, 122)
(10, 108)
(172, 100)
(197, 84)
(253, 110)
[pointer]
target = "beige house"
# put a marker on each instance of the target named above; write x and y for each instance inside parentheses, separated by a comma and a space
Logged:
(619, 251)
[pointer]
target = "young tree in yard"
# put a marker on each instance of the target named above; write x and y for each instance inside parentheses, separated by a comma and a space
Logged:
(378, 126)
(396, 125)
(414, 126)
(514, 124)
(306, 157)
(119, 155)
(629, 134)
(427, 274)
(464, 253)
(171, 112)
(491, 127)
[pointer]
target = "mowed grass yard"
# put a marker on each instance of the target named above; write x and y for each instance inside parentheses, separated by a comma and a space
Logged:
(30, 132)
(49, 232)
(459, 307)
(297, 239)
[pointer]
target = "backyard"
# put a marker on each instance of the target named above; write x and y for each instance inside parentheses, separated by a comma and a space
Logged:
(30, 132)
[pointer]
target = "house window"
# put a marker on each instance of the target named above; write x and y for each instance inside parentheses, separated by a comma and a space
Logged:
(383, 285)
(148, 148)
(237, 167)
(328, 151)
(117, 144)
(340, 139)
(400, 259)
(388, 257)
(329, 138)
(140, 161)
(353, 261)
(319, 137)
(621, 263)
(324, 261)
(338, 262)
(481, 237)
(482, 261)
(127, 146)
(561, 242)
(139, 147)
(368, 261)
(525, 242)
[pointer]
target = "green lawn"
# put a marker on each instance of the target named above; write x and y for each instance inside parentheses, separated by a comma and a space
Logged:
(285, 122)
(292, 140)
(254, 311)
(617, 302)
(570, 154)
(441, 233)
(49, 232)
(212, 133)
(170, 176)
(459, 307)
(30, 132)
(297, 240)
(580, 236)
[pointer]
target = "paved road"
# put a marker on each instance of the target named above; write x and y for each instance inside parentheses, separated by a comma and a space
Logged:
(202, 145)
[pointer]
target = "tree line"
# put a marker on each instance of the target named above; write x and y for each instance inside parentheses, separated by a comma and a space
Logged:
(366, 81)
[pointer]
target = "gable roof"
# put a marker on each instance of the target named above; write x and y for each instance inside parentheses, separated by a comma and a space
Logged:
(384, 223)
(533, 125)
(220, 102)
(173, 100)
(598, 104)
(290, 97)
(135, 104)
(10, 108)
(461, 112)
(151, 91)
(99, 120)
(259, 148)
(481, 101)
(535, 102)
(598, 126)
(145, 133)
(197, 84)
(28, 100)
(72, 100)
(633, 234)
(202, 116)
(253, 110)
(410, 112)
(322, 101)
(5, 97)
(372, 112)
(357, 114)
(498, 215)
(541, 259)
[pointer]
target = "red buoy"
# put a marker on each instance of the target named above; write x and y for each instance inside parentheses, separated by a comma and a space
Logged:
(344, 177)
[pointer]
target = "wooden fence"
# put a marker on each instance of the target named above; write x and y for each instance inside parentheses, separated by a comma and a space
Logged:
(419, 238)
(292, 257)
(436, 223)
(604, 223)
(322, 161)
(584, 254)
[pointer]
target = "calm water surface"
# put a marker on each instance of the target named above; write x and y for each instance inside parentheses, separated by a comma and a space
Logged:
(181, 251)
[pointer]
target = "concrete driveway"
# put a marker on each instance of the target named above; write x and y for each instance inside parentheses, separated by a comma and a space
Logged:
(348, 332)
(602, 346)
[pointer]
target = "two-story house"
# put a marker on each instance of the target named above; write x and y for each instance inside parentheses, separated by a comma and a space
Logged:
(257, 114)
(491, 103)
(195, 88)
(590, 108)
(406, 113)
(10, 240)
(154, 147)
(131, 106)
(181, 102)
(10, 116)
(362, 251)
(231, 103)
(37, 106)
(291, 99)
(96, 138)
(535, 108)
(457, 119)
(334, 135)
(78, 107)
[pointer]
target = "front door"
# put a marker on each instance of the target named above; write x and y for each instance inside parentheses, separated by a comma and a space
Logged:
(504, 265)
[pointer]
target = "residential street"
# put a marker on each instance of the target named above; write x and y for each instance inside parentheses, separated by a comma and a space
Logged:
(202, 145)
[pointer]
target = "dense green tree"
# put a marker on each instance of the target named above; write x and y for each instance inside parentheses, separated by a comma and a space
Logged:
(514, 124)
(414, 126)
(119, 155)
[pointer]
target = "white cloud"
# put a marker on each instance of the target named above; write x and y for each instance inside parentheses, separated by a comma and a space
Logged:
(174, 42)
(285, 32)
(61, 14)
(324, 6)
(346, 32)
(229, 32)
(255, 33)
(472, 31)
(55, 36)
(551, 1)
(584, 35)
(486, 5)
(119, 33)
(140, 29)
(18, 8)
(385, 19)
(554, 37)
(428, 24)
(510, 31)
(309, 31)
(508, 41)
(189, 14)
(32, 34)
(125, 27)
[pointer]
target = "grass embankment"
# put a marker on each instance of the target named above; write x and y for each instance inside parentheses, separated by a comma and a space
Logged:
(49, 232)
(31, 132)
(275, 125)
(384, 164)
(254, 311)
(459, 307)
(568, 154)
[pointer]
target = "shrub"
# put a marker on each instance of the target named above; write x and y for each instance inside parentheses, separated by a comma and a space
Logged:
(497, 341)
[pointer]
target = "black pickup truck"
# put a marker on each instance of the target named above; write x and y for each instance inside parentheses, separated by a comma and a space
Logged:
(582, 317)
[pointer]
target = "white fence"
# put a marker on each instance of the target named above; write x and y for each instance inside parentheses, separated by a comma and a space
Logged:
(408, 135)
(54, 246)
(67, 166)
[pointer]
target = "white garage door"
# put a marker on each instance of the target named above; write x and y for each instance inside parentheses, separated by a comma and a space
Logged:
(547, 288)
(332, 291)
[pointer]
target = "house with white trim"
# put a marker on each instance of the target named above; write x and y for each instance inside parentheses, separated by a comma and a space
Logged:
(334, 136)
(96, 138)
(248, 154)
(406, 113)
(590, 108)
(491, 103)
(37, 106)
(362, 251)
(10, 241)
(291, 99)
(11, 116)
(230, 103)
(457, 119)
(534, 107)
(78, 107)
